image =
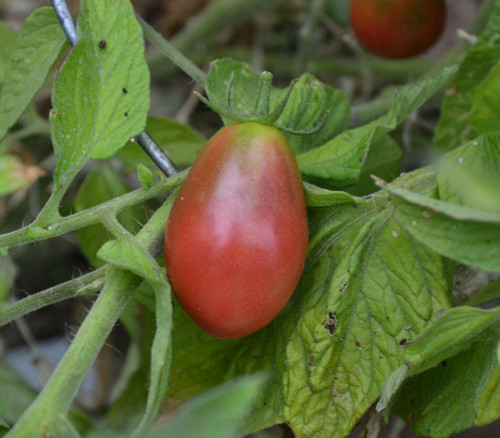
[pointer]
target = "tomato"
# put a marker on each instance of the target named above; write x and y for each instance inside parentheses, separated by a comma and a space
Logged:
(397, 28)
(237, 236)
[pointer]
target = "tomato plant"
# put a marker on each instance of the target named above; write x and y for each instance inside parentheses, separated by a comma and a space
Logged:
(397, 29)
(236, 238)
(367, 187)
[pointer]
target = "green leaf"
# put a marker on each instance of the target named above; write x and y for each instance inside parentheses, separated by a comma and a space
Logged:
(469, 175)
(128, 254)
(8, 38)
(312, 104)
(454, 331)
(454, 127)
(180, 142)
(318, 197)
(15, 175)
(367, 287)
(464, 234)
(145, 176)
(384, 160)
(461, 392)
(486, 104)
(489, 292)
(16, 394)
(38, 46)
(391, 386)
(218, 413)
(338, 163)
(101, 95)
(7, 276)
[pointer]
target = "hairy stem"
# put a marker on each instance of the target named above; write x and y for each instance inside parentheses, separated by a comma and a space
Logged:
(172, 53)
(45, 414)
(89, 283)
(90, 216)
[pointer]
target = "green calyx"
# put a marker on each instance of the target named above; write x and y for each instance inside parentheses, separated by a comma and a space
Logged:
(263, 111)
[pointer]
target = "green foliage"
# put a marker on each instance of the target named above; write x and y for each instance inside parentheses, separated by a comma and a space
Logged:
(36, 49)
(464, 234)
(217, 413)
(469, 175)
(308, 112)
(8, 38)
(372, 316)
(14, 175)
(466, 402)
(338, 163)
(485, 106)
(367, 288)
(16, 395)
(98, 187)
(101, 94)
(454, 127)
(180, 142)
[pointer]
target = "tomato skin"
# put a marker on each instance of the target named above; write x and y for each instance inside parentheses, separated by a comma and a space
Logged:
(237, 235)
(397, 28)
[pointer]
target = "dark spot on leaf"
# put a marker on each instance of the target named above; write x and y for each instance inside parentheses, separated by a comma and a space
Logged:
(343, 288)
(403, 342)
(102, 44)
(331, 323)
(358, 344)
(126, 114)
(311, 360)
(125, 91)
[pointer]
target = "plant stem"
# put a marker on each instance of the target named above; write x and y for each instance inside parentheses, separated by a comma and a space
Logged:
(172, 53)
(89, 283)
(35, 232)
(306, 33)
(45, 414)
(218, 16)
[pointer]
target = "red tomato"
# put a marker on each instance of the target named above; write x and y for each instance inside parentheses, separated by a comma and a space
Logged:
(397, 28)
(236, 238)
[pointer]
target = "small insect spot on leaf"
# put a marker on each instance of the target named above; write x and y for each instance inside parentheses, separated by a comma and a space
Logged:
(403, 342)
(357, 343)
(311, 360)
(460, 160)
(426, 214)
(126, 114)
(343, 288)
(408, 328)
(102, 44)
(414, 223)
(331, 323)
(125, 91)
(395, 233)
(53, 112)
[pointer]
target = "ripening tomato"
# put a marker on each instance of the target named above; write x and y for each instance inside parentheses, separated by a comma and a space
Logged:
(236, 238)
(397, 28)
